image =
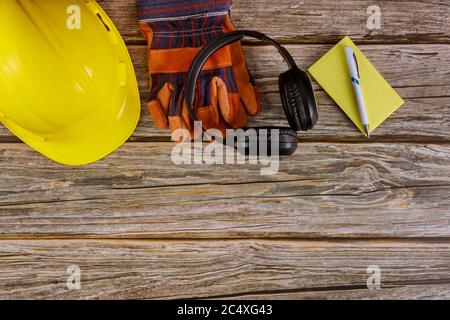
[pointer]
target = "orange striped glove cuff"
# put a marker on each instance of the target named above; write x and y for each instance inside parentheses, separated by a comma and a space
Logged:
(164, 10)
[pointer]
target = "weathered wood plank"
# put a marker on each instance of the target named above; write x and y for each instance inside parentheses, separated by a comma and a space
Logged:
(205, 269)
(416, 72)
(408, 292)
(321, 21)
(337, 193)
(325, 190)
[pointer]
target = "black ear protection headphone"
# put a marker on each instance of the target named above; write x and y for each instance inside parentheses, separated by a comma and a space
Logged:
(296, 92)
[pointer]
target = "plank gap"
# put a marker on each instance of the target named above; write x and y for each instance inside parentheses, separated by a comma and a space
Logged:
(269, 239)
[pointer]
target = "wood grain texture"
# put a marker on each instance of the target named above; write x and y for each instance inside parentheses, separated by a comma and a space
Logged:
(205, 269)
(400, 292)
(416, 72)
(140, 227)
(325, 190)
(323, 21)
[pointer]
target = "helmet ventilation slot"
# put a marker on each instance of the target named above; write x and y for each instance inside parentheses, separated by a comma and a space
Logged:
(104, 23)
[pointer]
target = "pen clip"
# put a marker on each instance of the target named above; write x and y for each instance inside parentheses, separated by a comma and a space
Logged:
(357, 65)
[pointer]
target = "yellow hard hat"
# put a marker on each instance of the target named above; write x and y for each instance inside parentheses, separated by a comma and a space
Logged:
(67, 83)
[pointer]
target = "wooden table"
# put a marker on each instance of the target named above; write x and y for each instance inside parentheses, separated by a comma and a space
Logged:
(140, 227)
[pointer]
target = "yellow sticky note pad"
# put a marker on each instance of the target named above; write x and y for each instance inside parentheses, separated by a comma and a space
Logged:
(331, 72)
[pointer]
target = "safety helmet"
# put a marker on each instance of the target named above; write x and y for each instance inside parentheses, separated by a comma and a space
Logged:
(67, 83)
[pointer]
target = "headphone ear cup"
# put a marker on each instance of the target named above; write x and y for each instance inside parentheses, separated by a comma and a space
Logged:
(290, 98)
(287, 132)
(298, 99)
(287, 141)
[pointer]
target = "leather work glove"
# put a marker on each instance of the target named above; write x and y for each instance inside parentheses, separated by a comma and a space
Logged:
(175, 32)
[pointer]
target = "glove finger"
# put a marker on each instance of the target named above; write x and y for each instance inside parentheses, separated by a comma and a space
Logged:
(185, 115)
(178, 114)
(249, 95)
(207, 110)
(228, 103)
(159, 107)
(246, 85)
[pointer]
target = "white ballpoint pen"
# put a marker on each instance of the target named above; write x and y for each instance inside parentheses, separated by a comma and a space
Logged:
(353, 69)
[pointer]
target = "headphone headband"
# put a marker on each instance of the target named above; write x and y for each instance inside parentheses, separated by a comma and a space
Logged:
(218, 43)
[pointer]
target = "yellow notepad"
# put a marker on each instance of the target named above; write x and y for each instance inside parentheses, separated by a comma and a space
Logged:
(331, 72)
